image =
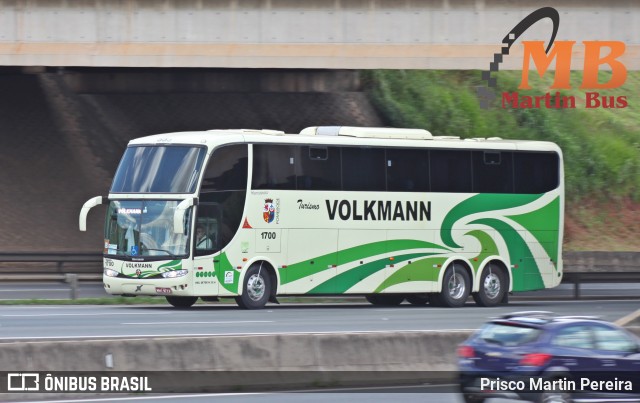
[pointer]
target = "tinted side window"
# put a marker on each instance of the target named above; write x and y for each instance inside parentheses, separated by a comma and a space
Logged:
(614, 340)
(407, 170)
(363, 169)
(536, 172)
(318, 168)
(273, 167)
(227, 169)
(450, 171)
(574, 337)
(492, 172)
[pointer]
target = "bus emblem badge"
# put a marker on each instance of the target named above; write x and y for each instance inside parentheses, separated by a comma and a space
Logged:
(269, 211)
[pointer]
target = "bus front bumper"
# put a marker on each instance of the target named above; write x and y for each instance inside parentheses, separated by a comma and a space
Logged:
(179, 286)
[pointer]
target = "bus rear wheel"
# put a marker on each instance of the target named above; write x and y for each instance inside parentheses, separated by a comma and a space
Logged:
(256, 288)
(182, 302)
(456, 287)
(385, 300)
(492, 287)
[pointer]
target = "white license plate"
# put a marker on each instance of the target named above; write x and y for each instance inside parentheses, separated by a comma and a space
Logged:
(163, 290)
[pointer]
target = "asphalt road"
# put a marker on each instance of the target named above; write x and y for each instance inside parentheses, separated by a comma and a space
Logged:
(23, 322)
(420, 394)
(95, 321)
(13, 291)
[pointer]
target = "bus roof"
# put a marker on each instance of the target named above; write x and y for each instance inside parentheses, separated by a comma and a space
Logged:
(344, 135)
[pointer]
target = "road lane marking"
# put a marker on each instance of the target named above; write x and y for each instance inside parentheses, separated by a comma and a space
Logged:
(75, 338)
(36, 289)
(124, 399)
(198, 323)
(81, 314)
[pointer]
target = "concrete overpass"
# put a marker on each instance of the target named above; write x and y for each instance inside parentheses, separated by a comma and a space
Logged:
(325, 34)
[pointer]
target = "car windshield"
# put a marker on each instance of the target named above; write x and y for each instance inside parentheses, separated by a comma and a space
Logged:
(508, 334)
(144, 228)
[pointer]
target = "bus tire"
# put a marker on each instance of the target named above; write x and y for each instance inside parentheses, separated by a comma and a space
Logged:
(456, 286)
(256, 288)
(385, 300)
(492, 287)
(418, 299)
(181, 302)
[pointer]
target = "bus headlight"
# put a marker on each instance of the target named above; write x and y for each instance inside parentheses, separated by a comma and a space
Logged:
(175, 273)
(110, 273)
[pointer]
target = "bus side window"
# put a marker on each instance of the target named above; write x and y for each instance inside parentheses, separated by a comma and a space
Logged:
(273, 167)
(318, 168)
(363, 169)
(407, 170)
(492, 172)
(227, 169)
(450, 171)
(536, 172)
(206, 231)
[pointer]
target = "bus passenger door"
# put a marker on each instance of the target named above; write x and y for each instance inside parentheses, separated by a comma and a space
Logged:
(205, 244)
(205, 281)
(312, 261)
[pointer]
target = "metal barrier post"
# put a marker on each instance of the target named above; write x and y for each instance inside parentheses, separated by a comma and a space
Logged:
(72, 279)
(576, 287)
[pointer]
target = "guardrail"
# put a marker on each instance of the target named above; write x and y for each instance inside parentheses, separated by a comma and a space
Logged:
(35, 264)
(71, 267)
(600, 267)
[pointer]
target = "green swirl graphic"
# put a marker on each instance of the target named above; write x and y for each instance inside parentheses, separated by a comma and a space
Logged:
(480, 203)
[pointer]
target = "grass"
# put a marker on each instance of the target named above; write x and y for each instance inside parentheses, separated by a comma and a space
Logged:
(601, 147)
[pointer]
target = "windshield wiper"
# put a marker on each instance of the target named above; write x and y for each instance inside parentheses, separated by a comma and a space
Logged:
(174, 257)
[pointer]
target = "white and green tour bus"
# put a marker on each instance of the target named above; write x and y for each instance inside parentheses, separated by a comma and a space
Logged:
(389, 214)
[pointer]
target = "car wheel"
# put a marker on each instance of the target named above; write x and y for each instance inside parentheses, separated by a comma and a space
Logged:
(418, 299)
(455, 286)
(256, 288)
(385, 300)
(554, 396)
(492, 287)
(182, 302)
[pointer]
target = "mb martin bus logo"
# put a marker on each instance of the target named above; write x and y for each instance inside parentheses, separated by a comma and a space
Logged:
(562, 52)
(269, 211)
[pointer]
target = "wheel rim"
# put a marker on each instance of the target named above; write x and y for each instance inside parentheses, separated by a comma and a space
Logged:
(456, 286)
(492, 285)
(255, 287)
(555, 397)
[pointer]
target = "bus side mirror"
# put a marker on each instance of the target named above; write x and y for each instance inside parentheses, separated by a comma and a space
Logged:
(88, 205)
(178, 214)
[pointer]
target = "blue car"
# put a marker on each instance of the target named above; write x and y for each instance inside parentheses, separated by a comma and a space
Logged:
(540, 357)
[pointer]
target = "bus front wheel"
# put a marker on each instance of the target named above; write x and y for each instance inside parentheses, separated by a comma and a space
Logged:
(456, 287)
(256, 288)
(182, 302)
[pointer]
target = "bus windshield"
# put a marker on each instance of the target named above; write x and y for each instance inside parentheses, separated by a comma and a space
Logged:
(143, 228)
(159, 169)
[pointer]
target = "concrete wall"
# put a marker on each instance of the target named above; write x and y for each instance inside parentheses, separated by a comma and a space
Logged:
(251, 362)
(244, 362)
(601, 261)
(333, 34)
